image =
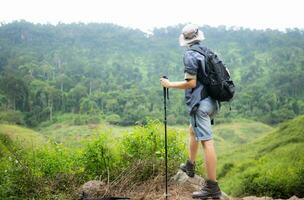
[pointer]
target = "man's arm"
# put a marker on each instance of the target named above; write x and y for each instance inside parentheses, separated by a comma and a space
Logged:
(178, 84)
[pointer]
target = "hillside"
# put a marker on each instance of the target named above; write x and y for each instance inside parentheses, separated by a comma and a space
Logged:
(74, 136)
(233, 134)
(25, 137)
(270, 165)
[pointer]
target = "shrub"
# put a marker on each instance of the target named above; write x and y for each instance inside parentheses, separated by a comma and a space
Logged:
(83, 119)
(146, 144)
(225, 169)
(113, 119)
(53, 159)
(299, 183)
(274, 183)
(98, 158)
(88, 106)
(12, 117)
(17, 180)
(79, 120)
(37, 173)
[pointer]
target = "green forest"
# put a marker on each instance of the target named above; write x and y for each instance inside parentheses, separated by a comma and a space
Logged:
(83, 101)
(112, 73)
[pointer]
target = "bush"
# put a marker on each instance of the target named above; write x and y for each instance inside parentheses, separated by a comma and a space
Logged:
(12, 117)
(98, 158)
(146, 144)
(55, 158)
(83, 119)
(37, 173)
(275, 183)
(17, 180)
(225, 169)
(113, 119)
(88, 106)
(299, 189)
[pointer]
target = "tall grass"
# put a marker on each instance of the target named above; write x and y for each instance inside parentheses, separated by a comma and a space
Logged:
(54, 170)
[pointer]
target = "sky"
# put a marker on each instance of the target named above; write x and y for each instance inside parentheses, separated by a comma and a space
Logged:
(149, 14)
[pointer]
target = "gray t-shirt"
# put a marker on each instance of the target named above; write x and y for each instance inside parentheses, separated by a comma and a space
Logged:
(192, 61)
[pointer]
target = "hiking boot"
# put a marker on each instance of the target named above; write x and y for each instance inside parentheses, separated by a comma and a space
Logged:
(211, 189)
(188, 168)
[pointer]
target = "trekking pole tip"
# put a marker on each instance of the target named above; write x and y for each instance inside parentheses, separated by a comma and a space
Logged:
(166, 195)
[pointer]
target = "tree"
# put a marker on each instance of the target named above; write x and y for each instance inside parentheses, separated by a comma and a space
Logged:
(15, 89)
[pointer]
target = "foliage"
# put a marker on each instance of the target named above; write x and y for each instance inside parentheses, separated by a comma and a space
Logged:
(82, 119)
(12, 117)
(55, 159)
(98, 158)
(271, 165)
(36, 172)
(146, 143)
(17, 178)
(104, 68)
(113, 119)
(50, 169)
(24, 136)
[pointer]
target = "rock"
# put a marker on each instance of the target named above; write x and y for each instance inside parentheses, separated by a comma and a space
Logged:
(92, 189)
(295, 198)
(267, 198)
(256, 198)
(196, 182)
(182, 178)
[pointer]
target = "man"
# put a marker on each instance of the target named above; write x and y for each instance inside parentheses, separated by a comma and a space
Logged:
(201, 109)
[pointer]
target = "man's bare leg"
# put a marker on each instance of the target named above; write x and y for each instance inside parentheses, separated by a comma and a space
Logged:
(193, 145)
(211, 189)
(189, 166)
(210, 159)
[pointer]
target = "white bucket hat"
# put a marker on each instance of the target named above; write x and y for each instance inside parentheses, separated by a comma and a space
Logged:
(190, 34)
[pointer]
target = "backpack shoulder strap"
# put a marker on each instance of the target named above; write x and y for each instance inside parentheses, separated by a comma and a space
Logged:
(199, 50)
(203, 51)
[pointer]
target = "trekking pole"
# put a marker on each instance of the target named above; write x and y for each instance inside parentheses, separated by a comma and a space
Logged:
(166, 96)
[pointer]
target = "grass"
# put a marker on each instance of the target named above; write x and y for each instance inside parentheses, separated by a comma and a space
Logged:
(27, 137)
(76, 136)
(232, 135)
(64, 130)
(269, 165)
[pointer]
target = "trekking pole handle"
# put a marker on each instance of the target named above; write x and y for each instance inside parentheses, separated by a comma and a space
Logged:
(166, 89)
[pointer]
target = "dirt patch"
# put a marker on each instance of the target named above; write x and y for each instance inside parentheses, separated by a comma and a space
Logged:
(152, 189)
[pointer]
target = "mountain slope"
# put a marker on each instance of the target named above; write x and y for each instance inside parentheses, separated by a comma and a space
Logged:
(238, 132)
(272, 165)
(25, 137)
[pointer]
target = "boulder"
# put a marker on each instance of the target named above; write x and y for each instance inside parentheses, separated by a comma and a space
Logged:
(295, 198)
(196, 182)
(256, 198)
(92, 189)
